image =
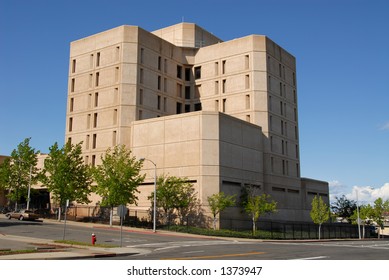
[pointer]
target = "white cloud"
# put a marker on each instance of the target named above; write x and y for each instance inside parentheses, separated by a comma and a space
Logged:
(337, 189)
(385, 126)
(367, 194)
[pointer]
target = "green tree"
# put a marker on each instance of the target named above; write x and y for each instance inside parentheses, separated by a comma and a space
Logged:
(19, 171)
(378, 211)
(257, 205)
(365, 212)
(174, 193)
(320, 212)
(343, 207)
(118, 178)
(218, 202)
(66, 176)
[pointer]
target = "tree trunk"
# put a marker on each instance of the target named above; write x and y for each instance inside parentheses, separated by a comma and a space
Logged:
(214, 222)
(111, 216)
(319, 230)
(254, 228)
(59, 214)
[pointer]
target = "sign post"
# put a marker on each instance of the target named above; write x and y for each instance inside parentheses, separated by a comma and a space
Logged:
(64, 226)
(122, 212)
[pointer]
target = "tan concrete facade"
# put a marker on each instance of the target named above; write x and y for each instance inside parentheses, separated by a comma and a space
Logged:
(129, 86)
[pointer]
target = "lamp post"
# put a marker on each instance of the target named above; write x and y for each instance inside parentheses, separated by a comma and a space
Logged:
(359, 220)
(155, 194)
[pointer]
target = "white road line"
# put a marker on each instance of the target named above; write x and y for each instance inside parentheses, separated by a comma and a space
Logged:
(192, 252)
(311, 258)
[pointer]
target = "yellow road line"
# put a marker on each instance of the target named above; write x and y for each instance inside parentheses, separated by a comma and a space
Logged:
(218, 256)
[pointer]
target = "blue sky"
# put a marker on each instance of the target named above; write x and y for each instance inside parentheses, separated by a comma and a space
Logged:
(341, 47)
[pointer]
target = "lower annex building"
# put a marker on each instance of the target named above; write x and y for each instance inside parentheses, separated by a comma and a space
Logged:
(222, 114)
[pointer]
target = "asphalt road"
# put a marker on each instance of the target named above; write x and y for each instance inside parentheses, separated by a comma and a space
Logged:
(165, 245)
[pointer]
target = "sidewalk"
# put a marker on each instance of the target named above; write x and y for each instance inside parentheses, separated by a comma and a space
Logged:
(48, 249)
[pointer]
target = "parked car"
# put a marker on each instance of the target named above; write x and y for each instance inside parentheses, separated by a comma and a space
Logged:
(22, 215)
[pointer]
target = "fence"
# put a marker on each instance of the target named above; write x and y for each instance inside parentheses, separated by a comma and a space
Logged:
(266, 229)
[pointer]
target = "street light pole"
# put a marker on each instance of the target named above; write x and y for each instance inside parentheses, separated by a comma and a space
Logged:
(359, 222)
(29, 189)
(155, 194)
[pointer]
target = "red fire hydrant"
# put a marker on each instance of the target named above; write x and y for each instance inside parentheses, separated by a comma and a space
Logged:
(93, 239)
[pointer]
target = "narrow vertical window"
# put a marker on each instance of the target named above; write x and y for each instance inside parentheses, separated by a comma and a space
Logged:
(179, 90)
(223, 67)
(224, 82)
(248, 119)
(88, 120)
(98, 59)
(294, 79)
(93, 160)
(270, 103)
(141, 76)
(159, 62)
(117, 53)
(272, 164)
(164, 85)
(224, 105)
(140, 115)
(115, 116)
(116, 95)
(216, 105)
(217, 87)
(87, 140)
(280, 89)
(247, 101)
(187, 74)
(297, 151)
(283, 146)
(142, 53)
(164, 104)
(271, 123)
(216, 68)
(95, 120)
(282, 127)
(247, 81)
(71, 105)
(97, 79)
(117, 74)
(247, 62)
(73, 66)
(197, 72)
(159, 83)
(280, 69)
(70, 124)
(96, 99)
(179, 108)
(187, 92)
(271, 143)
(165, 66)
(179, 71)
(281, 108)
(159, 102)
(269, 83)
(90, 80)
(140, 96)
(91, 61)
(72, 85)
(187, 108)
(94, 141)
(114, 133)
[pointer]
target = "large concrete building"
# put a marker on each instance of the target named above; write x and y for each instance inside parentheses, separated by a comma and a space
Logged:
(223, 114)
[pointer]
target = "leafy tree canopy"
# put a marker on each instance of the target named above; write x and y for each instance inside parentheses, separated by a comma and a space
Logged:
(118, 177)
(65, 174)
(218, 202)
(343, 207)
(16, 170)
